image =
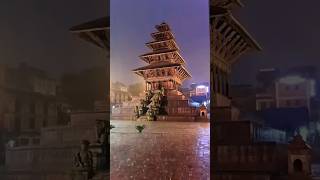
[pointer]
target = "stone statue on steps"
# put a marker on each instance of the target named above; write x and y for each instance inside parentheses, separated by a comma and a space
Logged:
(83, 160)
(103, 138)
(102, 131)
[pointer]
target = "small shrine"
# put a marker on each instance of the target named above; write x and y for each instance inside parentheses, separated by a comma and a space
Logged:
(299, 154)
(299, 159)
(203, 111)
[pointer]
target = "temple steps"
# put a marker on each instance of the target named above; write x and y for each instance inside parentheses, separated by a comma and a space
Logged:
(123, 117)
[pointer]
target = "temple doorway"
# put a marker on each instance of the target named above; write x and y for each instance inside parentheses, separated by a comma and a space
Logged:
(297, 165)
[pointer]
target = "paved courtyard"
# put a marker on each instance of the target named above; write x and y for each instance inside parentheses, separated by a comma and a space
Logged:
(163, 151)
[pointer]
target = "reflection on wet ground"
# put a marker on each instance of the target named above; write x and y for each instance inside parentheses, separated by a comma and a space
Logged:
(163, 151)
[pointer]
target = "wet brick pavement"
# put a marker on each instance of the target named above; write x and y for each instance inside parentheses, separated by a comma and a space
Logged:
(163, 151)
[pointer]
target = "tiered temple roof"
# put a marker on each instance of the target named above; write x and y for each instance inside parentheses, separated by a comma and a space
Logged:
(229, 40)
(96, 32)
(165, 61)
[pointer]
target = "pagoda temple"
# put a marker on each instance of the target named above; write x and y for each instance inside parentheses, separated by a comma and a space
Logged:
(166, 72)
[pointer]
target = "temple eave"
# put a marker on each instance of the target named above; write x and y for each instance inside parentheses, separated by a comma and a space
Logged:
(183, 72)
(245, 34)
(230, 39)
(157, 66)
(234, 53)
(95, 32)
(146, 57)
(153, 43)
(226, 3)
(232, 33)
(156, 53)
(95, 25)
(95, 37)
(156, 42)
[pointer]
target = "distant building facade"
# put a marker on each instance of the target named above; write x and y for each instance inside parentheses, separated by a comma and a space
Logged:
(199, 93)
(118, 93)
(294, 91)
(287, 100)
(295, 88)
(29, 102)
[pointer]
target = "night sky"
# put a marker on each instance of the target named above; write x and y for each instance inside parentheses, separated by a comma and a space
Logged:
(37, 32)
(132, 21)
(287, 30)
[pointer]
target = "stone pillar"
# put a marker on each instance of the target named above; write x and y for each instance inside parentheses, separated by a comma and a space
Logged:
(223, 80)
(219, 81)
(227, 85)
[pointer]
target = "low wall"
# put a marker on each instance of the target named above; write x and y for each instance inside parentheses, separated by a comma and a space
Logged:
(40, 158)
(67, 135)
(53, 158)
(254, 158)
(82, 126)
